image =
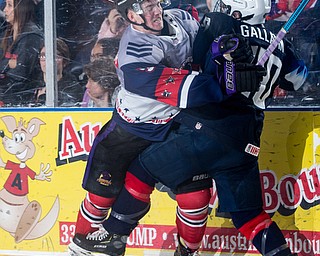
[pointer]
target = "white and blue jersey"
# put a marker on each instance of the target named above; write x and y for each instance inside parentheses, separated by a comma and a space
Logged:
(155, 77)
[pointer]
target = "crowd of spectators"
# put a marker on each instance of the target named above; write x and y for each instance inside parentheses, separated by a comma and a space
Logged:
(83, 29)
(88, 31)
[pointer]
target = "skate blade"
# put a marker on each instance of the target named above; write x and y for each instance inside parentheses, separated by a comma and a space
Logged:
(101, 254)
(75, 250)
(78, 253)
(81, 252)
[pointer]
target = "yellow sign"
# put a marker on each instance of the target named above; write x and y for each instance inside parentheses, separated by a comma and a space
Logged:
(42, 161)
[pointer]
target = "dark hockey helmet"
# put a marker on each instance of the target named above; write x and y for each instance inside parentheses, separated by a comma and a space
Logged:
(124, 5)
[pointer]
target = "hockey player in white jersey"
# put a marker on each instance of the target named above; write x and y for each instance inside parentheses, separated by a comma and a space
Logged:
(156, 81)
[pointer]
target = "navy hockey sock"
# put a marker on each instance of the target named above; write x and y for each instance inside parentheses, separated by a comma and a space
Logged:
(126, 213)
(271, 240)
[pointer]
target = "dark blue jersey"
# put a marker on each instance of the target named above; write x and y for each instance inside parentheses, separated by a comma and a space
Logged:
(284, 67)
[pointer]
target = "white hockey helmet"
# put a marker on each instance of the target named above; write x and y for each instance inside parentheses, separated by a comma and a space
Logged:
(250, 11)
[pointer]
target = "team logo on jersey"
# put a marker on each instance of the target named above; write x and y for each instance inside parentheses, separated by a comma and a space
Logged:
(105, 179)
(252, 149)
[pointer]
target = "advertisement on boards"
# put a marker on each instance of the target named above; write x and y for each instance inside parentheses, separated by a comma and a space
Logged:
(42, 161)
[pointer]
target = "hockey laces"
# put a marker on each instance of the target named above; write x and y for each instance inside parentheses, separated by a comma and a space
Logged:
(98, 235)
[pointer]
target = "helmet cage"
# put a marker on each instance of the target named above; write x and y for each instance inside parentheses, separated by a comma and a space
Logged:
(124, 5)
(135, 5)
(220, 6)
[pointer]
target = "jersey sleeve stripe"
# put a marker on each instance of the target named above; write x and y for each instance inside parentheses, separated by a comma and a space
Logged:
(185, 90)
(139, 55)
(141, 49)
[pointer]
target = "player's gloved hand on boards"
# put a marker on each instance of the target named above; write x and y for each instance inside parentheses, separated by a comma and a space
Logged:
(240, 77)
(233, 47)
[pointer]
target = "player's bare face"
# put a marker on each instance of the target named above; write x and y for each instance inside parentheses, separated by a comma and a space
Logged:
(152, 12)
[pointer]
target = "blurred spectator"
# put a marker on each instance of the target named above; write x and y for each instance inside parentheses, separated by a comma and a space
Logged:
(69, 90)
(106, 19)
(113, 25)
(19, 51)
(105, 47)
(187, 6)
(111, 28)
(102, 81)
(282, 9)
(101, 47)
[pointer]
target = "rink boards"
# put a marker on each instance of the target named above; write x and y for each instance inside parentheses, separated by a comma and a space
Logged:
(41, 221)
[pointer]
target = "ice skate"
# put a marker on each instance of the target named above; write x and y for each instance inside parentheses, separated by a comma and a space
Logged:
(182, 250)
(98, 243)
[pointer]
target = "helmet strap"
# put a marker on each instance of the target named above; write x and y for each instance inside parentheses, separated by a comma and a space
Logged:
(146, 27)
(143, 24)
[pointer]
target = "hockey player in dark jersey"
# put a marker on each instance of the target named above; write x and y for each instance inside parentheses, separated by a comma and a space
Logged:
(153, 60)
(221, 140)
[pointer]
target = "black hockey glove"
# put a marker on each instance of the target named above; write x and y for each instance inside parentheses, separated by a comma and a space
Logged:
(240, 77)
(233, 47)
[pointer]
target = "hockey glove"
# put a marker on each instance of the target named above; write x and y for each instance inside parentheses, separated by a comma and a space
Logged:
(233, 47)
(240, 77)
